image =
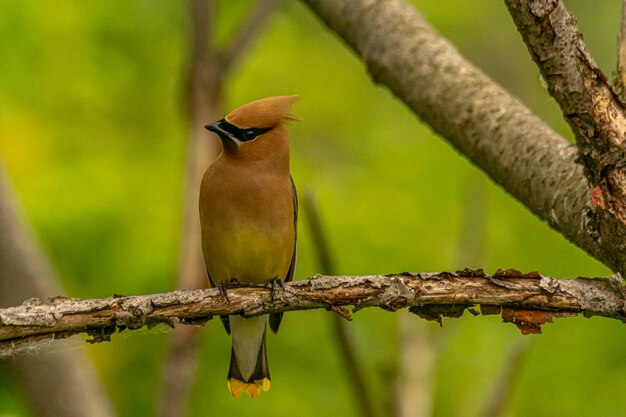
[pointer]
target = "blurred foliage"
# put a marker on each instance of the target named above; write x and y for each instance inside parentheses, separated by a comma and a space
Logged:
(93, 134)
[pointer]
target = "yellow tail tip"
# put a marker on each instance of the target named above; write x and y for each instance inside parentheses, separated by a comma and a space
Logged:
(253, 389)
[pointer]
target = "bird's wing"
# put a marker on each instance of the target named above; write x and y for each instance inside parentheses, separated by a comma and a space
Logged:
(277, 317)
(292, 266)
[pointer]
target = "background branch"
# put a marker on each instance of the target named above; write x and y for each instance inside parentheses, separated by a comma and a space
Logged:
(247, 32)
(527, 300)
(413, 390)
(483, 121)
(55, 380)
(203, 97)
(347, 349)
(504, 384)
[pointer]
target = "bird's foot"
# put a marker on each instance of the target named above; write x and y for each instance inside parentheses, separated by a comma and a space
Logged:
(272, 284)
(223, 286)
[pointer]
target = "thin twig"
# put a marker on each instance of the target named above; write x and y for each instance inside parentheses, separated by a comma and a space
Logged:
(356, 376)
(248, 31)
(318, 233)
(504, 385)
(419, 343)
(179, 371)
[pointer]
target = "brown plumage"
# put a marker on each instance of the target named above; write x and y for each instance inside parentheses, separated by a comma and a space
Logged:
(248, 214)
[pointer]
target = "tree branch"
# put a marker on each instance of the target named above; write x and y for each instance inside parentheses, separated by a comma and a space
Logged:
(594, 112)
(527, 300)
(478, 117)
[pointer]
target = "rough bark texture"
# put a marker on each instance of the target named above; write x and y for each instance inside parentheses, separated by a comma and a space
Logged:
(527, 300)
(472, 112)
(53, 382)
(593, 110)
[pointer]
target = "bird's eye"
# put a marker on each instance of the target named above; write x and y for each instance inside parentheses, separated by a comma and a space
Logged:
(249, 134)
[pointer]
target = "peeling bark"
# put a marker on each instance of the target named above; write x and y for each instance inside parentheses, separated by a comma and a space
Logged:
(483, 121)
(594, 112)
(531, 299)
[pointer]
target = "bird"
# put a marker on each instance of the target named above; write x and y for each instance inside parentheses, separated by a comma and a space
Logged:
(248, 218)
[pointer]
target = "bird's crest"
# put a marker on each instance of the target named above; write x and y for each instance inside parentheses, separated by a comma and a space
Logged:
(263, 113)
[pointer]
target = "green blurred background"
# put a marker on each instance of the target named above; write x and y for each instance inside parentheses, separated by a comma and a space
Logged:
(93, 135)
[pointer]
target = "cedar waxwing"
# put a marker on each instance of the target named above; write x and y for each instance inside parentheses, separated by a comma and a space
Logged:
(248, 215)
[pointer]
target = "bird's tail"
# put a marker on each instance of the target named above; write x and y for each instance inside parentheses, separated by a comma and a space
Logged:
(259, 379)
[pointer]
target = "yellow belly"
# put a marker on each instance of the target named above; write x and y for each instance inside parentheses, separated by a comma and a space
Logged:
(247, 254)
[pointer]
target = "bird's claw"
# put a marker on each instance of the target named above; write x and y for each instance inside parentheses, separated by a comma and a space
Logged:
(271, 284)
(223, 286)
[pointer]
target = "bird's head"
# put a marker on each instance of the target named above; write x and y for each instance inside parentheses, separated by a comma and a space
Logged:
(255, 130)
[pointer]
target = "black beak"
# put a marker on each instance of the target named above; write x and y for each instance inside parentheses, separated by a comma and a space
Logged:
(215, 127)
(225, 136)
